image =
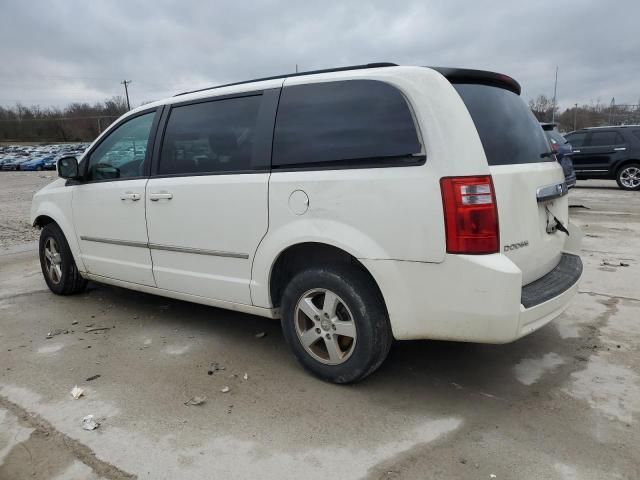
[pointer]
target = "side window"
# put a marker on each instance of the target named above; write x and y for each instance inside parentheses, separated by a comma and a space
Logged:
(599, 139)
(577, 139)
(346, 123)
(209, 137)
(122, 153)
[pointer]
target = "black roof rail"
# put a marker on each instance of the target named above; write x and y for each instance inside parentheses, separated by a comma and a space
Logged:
(296, 74)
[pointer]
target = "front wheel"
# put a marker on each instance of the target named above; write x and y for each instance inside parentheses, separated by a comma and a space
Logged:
(58, 266)
(335, 321)
(628, 176)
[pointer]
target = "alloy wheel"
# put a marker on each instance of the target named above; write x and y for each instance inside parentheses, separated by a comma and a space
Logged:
(325, 326)
(53, 260)
(630, 177)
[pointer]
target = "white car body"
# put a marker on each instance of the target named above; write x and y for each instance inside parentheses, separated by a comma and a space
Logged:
(217, 239)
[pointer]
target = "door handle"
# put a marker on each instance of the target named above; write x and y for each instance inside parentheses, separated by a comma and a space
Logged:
(576, 151)
(620, 149)
(130, 196)
(154, 197)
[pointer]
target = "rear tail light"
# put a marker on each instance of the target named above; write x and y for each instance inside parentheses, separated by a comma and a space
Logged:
(471, 214)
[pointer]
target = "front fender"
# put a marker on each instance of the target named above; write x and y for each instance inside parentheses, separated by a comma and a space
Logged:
(309, 230)
(55, 203)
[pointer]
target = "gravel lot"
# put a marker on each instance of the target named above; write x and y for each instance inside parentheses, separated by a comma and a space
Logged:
(563, 403)
(16, 190)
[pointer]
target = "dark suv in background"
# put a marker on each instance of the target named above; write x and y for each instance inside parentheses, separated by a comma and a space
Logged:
(608, 152)
(562, 149)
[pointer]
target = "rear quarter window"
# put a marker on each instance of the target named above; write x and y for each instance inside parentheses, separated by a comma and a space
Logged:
(344, 124)
(509, 131)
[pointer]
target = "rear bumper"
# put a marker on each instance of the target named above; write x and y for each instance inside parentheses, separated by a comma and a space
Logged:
(472, 298)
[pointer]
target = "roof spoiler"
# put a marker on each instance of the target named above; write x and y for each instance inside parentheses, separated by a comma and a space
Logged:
(483, 77)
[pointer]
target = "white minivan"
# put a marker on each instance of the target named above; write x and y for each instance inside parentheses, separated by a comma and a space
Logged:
(358, 205)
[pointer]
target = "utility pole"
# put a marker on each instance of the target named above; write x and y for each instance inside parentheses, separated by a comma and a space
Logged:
(126, 92)
(575, 117)
(296, 68)
(555, 91)
(612, 105)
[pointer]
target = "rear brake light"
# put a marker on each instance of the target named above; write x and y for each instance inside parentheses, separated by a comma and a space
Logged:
(471, 214)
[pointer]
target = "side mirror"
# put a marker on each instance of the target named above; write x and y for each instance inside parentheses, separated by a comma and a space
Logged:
(68, 168)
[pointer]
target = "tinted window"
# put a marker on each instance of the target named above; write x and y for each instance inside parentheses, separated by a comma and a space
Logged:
(210, 137)
(508, 130)
(577, 139)
(122, 153)
(352, 122)
(605, 138)
(555, 136)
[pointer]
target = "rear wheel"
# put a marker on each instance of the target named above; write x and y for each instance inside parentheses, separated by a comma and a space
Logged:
(58, 266)
(335, 321)
(628, 176)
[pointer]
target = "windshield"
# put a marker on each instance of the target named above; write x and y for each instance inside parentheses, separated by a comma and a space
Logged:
(509, 132)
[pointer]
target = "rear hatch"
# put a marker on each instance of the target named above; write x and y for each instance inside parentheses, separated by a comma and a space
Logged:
(525, 175)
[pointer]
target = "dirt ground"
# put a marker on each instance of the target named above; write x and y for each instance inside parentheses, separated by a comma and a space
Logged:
(562, 403)
(16, 190)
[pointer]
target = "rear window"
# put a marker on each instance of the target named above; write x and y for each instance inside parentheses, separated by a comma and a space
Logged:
(344, 124)
(509, 132)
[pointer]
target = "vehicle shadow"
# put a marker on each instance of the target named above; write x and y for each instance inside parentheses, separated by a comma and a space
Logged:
(416, 368)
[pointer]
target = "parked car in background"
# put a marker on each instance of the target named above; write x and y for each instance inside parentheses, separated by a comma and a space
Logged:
(50, 162)
(14, 163)
(562, 150)
(608, 152)
(36, 163)
(316, 198)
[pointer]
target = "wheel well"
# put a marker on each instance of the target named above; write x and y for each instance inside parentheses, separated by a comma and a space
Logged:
(298, 257)
(43, 220)
(624, 163)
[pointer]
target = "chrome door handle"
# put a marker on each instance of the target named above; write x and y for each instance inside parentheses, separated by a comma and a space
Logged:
(620, 149)
(576, 151)
(130, 196)
(154, 197)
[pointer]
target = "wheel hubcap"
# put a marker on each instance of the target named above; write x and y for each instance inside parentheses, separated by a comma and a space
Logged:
(630, 177)
(325, 327)
(52, 260)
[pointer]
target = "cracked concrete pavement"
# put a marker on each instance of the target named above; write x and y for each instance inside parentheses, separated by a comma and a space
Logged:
(562, 403)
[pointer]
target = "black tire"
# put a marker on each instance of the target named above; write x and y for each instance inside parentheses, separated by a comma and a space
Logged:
(620, 173)
(38, 168)
(364, 302)
(69, 280)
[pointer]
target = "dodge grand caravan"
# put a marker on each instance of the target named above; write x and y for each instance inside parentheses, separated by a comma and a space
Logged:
(358, 205)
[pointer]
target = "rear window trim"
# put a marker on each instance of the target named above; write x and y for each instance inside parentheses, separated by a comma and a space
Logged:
(356, 163)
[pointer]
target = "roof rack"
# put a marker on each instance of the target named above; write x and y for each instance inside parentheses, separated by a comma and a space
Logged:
(608, 126)
(297, 74)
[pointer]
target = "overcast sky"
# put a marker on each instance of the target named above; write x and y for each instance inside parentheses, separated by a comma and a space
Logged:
(56, 52)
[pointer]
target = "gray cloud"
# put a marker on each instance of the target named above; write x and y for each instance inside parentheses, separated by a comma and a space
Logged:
(55, 52)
